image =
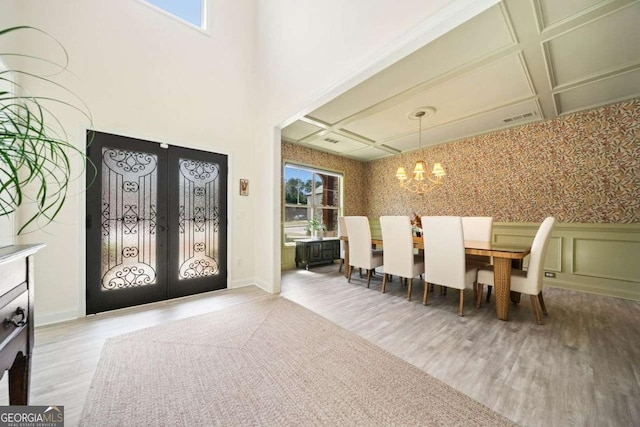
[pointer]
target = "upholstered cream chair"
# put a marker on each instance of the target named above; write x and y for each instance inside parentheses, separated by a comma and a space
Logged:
(342, 232)
(444, 257)
(526, 282)
(478, 228)
(399, 258)
(360, 253)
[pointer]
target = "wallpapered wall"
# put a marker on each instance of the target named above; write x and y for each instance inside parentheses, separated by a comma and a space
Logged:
(354, 173)
(583, 167)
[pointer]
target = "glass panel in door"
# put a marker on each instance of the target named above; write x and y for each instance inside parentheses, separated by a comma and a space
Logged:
(199, 219)
(126, 231)
(129, 200)
(198, 237)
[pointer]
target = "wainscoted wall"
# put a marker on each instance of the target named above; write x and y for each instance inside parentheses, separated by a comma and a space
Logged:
(595, 258)
(354, 182)
(582, 168)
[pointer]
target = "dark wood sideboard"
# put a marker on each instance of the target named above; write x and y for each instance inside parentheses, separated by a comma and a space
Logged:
(16, 313)
(314, 251)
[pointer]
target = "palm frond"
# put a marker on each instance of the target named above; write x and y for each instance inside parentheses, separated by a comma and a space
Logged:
(35, 152)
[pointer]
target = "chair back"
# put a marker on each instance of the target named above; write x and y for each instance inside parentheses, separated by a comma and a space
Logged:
(342, 232)
(477, 228)
(444, 258)
(359, 234)
(539, 246)
(398, 245)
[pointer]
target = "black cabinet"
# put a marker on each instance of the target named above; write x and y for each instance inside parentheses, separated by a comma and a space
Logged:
(16, 308)
(312, 252)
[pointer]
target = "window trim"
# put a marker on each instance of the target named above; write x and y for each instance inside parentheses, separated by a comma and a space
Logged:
(204, 24)
(312, 169)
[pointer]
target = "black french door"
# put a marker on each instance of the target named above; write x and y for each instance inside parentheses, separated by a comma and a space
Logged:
(156, 222)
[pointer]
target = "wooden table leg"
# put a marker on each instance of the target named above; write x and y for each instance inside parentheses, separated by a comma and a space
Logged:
(346, 258)
(502, 283)
(19, 380)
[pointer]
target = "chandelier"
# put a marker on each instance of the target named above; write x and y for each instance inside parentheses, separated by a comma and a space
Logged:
(420, 182)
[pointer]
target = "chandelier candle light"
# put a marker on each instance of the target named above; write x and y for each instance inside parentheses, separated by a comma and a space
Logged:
(420, 182)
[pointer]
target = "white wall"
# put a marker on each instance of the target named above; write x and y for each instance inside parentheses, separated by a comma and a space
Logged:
(148, 76)
(307, 53)
(265, 62)
(7, 229)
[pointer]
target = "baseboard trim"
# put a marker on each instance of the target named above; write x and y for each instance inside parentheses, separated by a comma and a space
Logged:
(241, 283)
(43, 319)
(288, 266)
(264, 285)
(607, 291)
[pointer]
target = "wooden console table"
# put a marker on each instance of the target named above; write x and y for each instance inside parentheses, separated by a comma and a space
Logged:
(314, 251)
(16, 312)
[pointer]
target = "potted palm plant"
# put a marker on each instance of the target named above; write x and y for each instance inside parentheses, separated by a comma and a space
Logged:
(35, 152)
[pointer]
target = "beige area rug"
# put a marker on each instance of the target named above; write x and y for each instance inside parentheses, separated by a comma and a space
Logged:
(270, 362)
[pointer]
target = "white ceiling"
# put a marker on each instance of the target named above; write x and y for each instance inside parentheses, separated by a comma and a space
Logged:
(525, 60)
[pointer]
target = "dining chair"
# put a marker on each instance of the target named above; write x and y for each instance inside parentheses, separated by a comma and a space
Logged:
(478, 228)
(530, 281)
(399, 258)
(444, 256)
(361, 255)
(342, 232)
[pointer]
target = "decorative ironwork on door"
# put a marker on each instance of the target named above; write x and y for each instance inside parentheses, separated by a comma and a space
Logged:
(129, 197)
(156, 222)
(198, 219)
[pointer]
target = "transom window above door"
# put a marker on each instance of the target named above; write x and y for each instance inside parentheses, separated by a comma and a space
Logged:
(191, 11)
(308, 194)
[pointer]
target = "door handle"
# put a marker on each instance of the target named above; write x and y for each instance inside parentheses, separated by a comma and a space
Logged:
(19, 312)
(162, 228)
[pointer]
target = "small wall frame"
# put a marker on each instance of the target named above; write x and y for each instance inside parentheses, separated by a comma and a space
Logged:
(244, 187)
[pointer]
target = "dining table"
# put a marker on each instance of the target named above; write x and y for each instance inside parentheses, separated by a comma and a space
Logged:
(503, 257)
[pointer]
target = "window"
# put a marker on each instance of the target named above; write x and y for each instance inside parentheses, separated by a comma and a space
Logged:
(191, 11)
(310, 193)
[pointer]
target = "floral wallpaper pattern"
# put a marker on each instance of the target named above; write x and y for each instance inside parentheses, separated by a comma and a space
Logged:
(582, 167)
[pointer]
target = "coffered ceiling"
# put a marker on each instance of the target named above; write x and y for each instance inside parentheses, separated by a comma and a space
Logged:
(520, 61)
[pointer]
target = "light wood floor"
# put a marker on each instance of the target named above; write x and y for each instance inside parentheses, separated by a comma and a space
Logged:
(66, 354)
(582, 368)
